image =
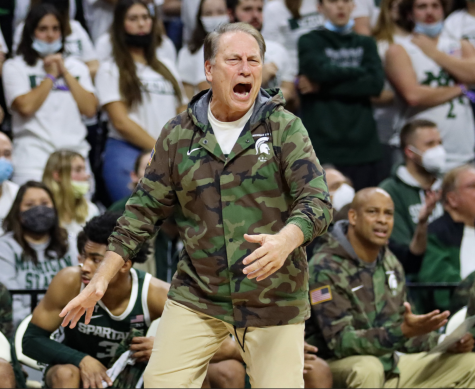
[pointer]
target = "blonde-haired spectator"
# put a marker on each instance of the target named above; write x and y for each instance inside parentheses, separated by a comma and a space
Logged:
(66, 176)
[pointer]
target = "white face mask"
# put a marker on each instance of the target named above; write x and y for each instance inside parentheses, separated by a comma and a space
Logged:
(211, 23)
(433, 160)
(342, 196)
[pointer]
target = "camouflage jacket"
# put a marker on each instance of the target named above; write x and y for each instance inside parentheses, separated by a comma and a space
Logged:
(6, 319)
(270, 179)
(357, 308)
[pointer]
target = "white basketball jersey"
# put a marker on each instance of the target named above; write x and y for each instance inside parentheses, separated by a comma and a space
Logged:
(454, 118)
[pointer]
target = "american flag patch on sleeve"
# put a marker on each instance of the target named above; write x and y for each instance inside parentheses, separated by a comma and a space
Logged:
(320, 295)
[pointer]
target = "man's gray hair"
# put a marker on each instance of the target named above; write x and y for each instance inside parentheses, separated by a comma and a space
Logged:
(212, 39)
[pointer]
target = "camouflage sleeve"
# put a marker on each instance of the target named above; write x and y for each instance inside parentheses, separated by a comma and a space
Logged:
(6, 319)
(151, 203)
(421, 343)
(311, 210)
(337, 322)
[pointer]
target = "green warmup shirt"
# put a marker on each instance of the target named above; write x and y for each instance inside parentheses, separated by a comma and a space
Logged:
(102, 336)
(339, 117)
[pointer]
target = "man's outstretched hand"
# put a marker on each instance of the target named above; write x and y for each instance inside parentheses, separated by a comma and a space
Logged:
(84, 302)
(92, 293)
(415, 325)
(273, 252)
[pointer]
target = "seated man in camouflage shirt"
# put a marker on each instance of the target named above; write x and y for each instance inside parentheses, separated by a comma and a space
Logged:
(6, 328)
(360, 317)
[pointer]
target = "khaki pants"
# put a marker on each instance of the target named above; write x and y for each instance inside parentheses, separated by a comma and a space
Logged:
(186, 340)
(417, 371)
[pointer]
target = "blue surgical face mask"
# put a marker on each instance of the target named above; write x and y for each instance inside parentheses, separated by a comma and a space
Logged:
(432, 30)
(6, 169)
(340, 29)
(44, 48)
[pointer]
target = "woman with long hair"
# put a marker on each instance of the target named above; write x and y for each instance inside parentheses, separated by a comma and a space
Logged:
(211, 13)
(165, 47)
(388, 30)
(77, 41)
(139, 92)
(66, 177)
(34, 247)
(287, 20)
(47, 94)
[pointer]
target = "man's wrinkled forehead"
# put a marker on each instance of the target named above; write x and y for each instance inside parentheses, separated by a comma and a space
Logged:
(238, 44)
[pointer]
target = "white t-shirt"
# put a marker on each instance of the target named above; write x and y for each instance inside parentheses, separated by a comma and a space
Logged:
(23, 6)
(366, 8)
(227, 133)
(167, 49)
(9, 191)
(192, 66)
(78, 43)
(454, 118)
(277, 54)
(467, 249)
(189, 10)
(3, 45)
(74, 228)
(385, 116)
(460, 25)
(56, 124)
(159, 102)
(280, 26)
(99, 15)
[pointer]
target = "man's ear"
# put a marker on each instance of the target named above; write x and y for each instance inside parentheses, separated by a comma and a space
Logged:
(208, 73)
(352, 216)
(126, 267)
(232, 18)
(452, 200)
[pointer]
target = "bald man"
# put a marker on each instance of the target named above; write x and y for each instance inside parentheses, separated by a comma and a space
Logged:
(360, 317)
(8, 189)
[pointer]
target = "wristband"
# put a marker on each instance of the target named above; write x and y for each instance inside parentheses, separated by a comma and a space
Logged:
(468, 93)
(51, 77)
(58, 87)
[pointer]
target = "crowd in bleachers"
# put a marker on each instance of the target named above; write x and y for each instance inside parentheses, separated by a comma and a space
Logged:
(386, 91)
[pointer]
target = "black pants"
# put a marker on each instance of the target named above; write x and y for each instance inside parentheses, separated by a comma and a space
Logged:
(364, 175)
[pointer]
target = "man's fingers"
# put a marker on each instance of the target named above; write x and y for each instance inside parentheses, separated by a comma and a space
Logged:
(262, 271)
(89, 312)
(85, 382)
(309, 348)
(106, 378)
(70, 316)
(73, 304)
(310, 357)
(257, 266)
(268, 274)
(407, 308)
(259, 253)
(307, 367)
(254, 238)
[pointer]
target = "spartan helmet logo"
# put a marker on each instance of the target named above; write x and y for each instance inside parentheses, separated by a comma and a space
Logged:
(262, 149)
(392, 282)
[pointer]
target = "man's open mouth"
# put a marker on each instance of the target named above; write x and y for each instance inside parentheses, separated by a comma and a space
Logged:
(242, 89)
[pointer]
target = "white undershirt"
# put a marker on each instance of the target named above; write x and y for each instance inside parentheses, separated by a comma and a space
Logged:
(467, 250)
(227, 133)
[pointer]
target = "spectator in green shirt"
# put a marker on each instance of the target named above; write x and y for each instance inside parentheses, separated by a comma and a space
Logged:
(340, 72)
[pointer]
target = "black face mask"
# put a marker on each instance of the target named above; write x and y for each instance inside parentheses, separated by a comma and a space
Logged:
(38, 220)
(140, 41)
